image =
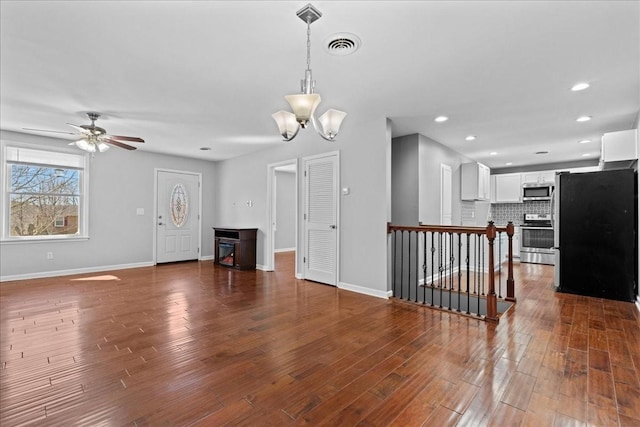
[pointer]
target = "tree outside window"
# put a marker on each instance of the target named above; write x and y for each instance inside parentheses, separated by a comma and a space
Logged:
(45, 197)
(43, 200)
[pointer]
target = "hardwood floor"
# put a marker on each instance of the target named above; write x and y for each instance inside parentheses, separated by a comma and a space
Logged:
(194, 344)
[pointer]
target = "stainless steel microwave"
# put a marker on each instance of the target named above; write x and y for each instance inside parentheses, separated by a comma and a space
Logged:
(537, 191)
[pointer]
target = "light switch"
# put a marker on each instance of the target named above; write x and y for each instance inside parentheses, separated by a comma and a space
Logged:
(346, 191)
(140, 211)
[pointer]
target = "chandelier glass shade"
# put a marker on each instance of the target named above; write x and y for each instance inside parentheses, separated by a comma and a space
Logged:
(304, 104)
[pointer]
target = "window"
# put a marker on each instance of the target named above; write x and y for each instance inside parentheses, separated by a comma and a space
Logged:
(45, 193)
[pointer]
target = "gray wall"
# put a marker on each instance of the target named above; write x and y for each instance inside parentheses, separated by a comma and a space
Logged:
(120, 182)
(405, 191)
(285, 235)
(415, 184)
(364, 145)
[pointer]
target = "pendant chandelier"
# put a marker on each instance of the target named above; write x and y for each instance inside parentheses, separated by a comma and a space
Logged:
(304, 104)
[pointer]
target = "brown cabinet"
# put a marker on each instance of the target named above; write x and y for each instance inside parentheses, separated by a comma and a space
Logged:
(235, 247)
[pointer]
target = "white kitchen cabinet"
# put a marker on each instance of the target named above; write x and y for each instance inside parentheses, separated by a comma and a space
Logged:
(506, 188)
(539, 177)
(515, 241)
(618, 146)
(475, 182)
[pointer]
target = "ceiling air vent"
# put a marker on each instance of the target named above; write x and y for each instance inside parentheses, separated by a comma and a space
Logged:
(342, 44)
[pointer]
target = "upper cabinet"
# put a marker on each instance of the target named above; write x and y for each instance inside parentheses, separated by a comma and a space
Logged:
(617, 146)
(539, 177)
(506, 188)
(475, 181)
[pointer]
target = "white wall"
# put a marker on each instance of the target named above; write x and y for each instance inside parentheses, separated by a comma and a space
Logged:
(432, 154)
(120, 182)
(285, 235)
(364, 144)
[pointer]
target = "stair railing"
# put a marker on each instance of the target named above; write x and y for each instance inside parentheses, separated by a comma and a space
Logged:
(445, 267)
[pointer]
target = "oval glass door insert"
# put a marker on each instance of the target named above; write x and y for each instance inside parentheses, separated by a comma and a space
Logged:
(178, 205)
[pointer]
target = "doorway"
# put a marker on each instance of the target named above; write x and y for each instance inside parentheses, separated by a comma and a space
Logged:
(177, 215)
(282, 236)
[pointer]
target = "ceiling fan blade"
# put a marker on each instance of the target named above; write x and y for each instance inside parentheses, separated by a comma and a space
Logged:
(117, 144)
(51, 131)
(126, 138)
(79, 129)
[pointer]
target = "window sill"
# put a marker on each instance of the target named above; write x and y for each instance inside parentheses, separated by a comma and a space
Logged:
(44, 240)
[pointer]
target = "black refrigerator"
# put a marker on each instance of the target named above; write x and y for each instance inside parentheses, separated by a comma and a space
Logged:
(595, 227)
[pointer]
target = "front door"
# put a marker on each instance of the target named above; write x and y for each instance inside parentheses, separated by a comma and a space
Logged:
(321, 214)
(177, 222)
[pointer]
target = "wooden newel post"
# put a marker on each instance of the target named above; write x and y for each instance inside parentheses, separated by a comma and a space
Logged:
(492, 299)
(511, 293)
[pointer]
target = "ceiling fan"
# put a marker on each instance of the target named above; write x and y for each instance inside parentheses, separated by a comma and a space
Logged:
(95, 138)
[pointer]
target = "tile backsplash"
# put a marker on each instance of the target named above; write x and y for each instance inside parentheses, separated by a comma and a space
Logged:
(501, 213)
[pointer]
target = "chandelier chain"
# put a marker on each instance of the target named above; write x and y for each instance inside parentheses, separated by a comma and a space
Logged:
(308, 42)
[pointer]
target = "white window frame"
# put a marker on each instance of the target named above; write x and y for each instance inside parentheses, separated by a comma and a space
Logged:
(5, 206)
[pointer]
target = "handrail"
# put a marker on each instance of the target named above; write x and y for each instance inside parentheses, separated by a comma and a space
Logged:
(490, 231)
(447, 228)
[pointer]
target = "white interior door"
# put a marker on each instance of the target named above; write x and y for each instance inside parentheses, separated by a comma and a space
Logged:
(320, 219)
(177, 222)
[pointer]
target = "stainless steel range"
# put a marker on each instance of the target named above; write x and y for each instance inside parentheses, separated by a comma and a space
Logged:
(536, 239)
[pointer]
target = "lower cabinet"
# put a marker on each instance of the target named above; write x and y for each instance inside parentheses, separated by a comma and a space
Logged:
(515, 240)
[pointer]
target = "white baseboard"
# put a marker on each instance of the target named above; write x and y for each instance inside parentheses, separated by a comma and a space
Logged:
(437, 276)
(73, 271)
(207, 258)
(363, 290)
(262, 267)
(284, 250)
(455, 271)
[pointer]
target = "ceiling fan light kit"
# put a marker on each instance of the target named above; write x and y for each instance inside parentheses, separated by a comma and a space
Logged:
(94, 138)
(305, 103)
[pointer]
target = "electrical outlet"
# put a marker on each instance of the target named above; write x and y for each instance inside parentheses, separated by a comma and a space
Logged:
(49, 255)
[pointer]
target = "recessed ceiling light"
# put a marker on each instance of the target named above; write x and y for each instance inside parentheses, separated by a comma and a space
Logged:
(584, 141)
(493, 153)
(470, 138)
(508, 163)
(542, 152)
(205, 148)
(583, 119)
(441, 119)
(580, 86)
(586, 154)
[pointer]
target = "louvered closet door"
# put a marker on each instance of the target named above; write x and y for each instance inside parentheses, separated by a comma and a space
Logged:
(321, 219)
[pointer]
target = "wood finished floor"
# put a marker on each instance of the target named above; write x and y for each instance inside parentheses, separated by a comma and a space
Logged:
(194, 344)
